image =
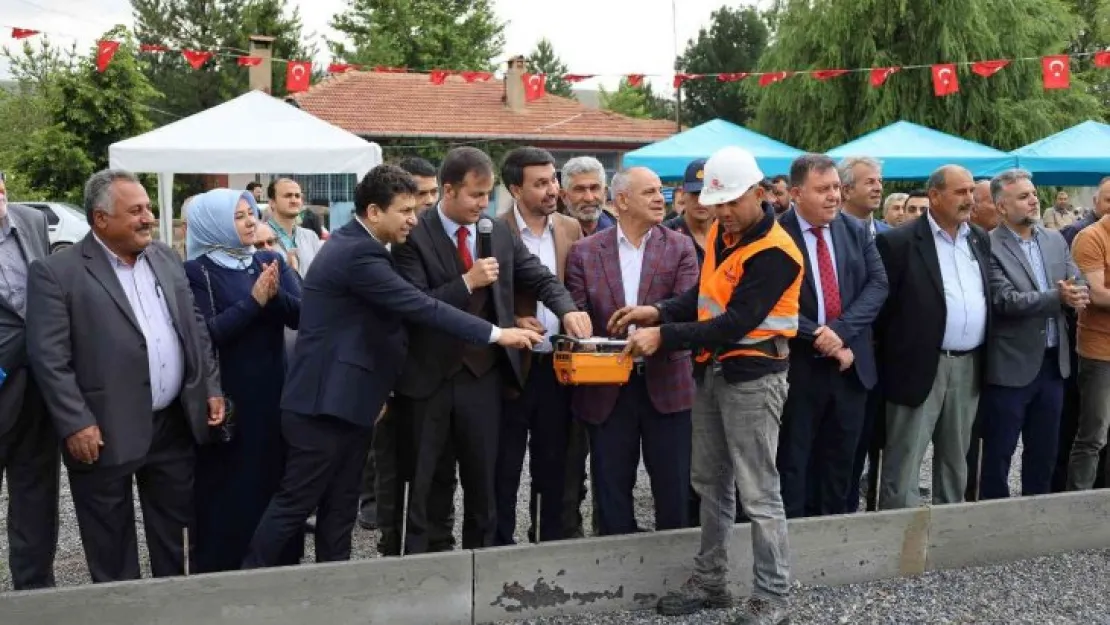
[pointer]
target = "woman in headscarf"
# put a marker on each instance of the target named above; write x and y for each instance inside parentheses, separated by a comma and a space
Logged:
(247, 298)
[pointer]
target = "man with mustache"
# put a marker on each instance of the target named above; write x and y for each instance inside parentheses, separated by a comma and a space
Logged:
(584, 194)
(861, 180)
(930, 335)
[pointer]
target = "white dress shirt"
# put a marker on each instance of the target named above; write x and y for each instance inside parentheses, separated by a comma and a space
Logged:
(542, 246)
(632, 265)
(965, 300)
(811, 250)
(164, 353)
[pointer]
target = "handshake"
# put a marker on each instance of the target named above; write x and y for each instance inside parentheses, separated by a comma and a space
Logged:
(529, 331)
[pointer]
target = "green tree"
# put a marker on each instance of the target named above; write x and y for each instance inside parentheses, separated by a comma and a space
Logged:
(636, 101)
(734, 42)
(1006, 110)
(1092, 35)
(419, 34)
(88, 111)
(219, 26)
(543, 60)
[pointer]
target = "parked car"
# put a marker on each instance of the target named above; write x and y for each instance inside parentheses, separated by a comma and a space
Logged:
(66, 223)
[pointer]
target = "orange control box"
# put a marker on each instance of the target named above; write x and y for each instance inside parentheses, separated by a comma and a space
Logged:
(590, 361)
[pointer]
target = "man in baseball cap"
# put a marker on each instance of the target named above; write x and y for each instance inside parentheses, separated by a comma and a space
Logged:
(695, 219)
(744, 312)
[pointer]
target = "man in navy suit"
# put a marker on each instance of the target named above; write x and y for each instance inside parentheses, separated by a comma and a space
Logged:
(832, 365)
(861, 188)
(350, 350)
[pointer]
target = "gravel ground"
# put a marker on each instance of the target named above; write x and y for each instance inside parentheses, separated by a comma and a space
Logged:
(70, 567)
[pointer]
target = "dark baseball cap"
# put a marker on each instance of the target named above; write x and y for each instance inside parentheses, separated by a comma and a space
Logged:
(695, 173)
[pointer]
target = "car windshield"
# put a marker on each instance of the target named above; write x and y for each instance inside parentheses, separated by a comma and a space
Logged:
(77, 212)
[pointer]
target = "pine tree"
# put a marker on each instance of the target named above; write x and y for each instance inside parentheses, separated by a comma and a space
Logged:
(1006, 110)
(636, 101)
(419, 34)
(543, 60)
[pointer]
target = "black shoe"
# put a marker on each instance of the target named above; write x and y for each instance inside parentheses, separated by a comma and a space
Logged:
(693, 597)
(368, 516)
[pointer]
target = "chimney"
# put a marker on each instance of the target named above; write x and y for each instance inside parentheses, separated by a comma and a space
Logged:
(514, 84)
(261, 76)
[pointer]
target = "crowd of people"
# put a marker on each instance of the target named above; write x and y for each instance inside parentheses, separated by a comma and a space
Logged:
(787, 335)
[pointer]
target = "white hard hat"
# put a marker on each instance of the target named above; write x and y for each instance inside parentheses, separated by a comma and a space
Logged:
(729, 173)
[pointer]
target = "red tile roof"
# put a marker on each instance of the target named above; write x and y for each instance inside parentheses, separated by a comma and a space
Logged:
(380, 105)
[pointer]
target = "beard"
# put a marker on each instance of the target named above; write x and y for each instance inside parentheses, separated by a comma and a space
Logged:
(580, 215)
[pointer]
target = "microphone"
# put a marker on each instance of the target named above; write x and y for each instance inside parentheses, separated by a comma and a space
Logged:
(485, 237)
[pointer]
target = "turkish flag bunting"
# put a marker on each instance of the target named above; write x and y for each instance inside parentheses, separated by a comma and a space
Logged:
(681, 78)
(880, 74)
(988, 68)
(732, 77)
(635, 80)
(1102, 59)
(476, 76)
(23, 33)
(339, 68)
(439, 76)
(105, 50)
(297, 75)
(1056, 70)
(152, 47)
(389, 70)
(196, 58)
(535, 86)
(945, 81)
(249, 61)
(771, 78)
(826, 74)
(577, 77)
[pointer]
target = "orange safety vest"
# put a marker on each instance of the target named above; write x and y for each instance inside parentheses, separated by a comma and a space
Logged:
(718, 283)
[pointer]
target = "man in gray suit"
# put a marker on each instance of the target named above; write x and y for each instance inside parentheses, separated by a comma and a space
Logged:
(1031, 272)
(127, 373)
(28, 449)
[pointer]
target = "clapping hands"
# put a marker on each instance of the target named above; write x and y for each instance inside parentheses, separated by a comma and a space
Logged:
(266, 287)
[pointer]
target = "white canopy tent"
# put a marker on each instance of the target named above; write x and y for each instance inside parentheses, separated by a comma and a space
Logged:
(254, 133)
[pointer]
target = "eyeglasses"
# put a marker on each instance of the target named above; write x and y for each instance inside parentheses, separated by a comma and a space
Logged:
(265, 245)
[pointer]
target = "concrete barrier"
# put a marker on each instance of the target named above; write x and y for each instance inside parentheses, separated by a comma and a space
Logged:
(597, 574)
(420, 590)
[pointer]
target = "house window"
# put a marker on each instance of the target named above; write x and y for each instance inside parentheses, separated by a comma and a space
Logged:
(331, 187)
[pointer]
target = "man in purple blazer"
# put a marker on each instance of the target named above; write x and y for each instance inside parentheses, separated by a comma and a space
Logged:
(637, 262)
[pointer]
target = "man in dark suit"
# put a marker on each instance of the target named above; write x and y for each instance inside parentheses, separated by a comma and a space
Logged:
(128, 376)
(350, 349)
(832, 365)
(931, 332)
(28, 447)
(861, 186)
(536, 419)
(451, 392)
(1024, 391)
(637, 262)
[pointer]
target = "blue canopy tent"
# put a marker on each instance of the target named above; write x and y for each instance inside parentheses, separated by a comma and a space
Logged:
(1078, 156)
(668, 158)
(911, 152)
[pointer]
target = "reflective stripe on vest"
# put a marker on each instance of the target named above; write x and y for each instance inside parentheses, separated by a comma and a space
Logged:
(718, 283)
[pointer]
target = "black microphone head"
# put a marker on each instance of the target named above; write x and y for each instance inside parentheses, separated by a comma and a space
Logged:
(485, 225)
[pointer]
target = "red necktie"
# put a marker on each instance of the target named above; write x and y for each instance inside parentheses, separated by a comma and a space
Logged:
(830, 290)
(464, 250)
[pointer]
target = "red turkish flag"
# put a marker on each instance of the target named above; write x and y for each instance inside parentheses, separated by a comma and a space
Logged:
(196, 58)
(880, 74)
(152, 47)
(1102, 59)
(105, 50)
(535, 86)
(476, 76)
(1056, 70)
(340, 68)
(732, 77)
(439, 76)
(771, 78)
(987, 69)
(297, 75)
(249, 61)
(635, 80)
(945, 81)
(826, 74)
(681, 78)
(23, 33)
(577, 77)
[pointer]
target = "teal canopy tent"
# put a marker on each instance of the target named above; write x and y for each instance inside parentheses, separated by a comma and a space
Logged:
(668, 158)
(911, 152)
(1078, 156)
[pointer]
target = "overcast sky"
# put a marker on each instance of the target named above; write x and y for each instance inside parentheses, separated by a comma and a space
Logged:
(612, 37)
